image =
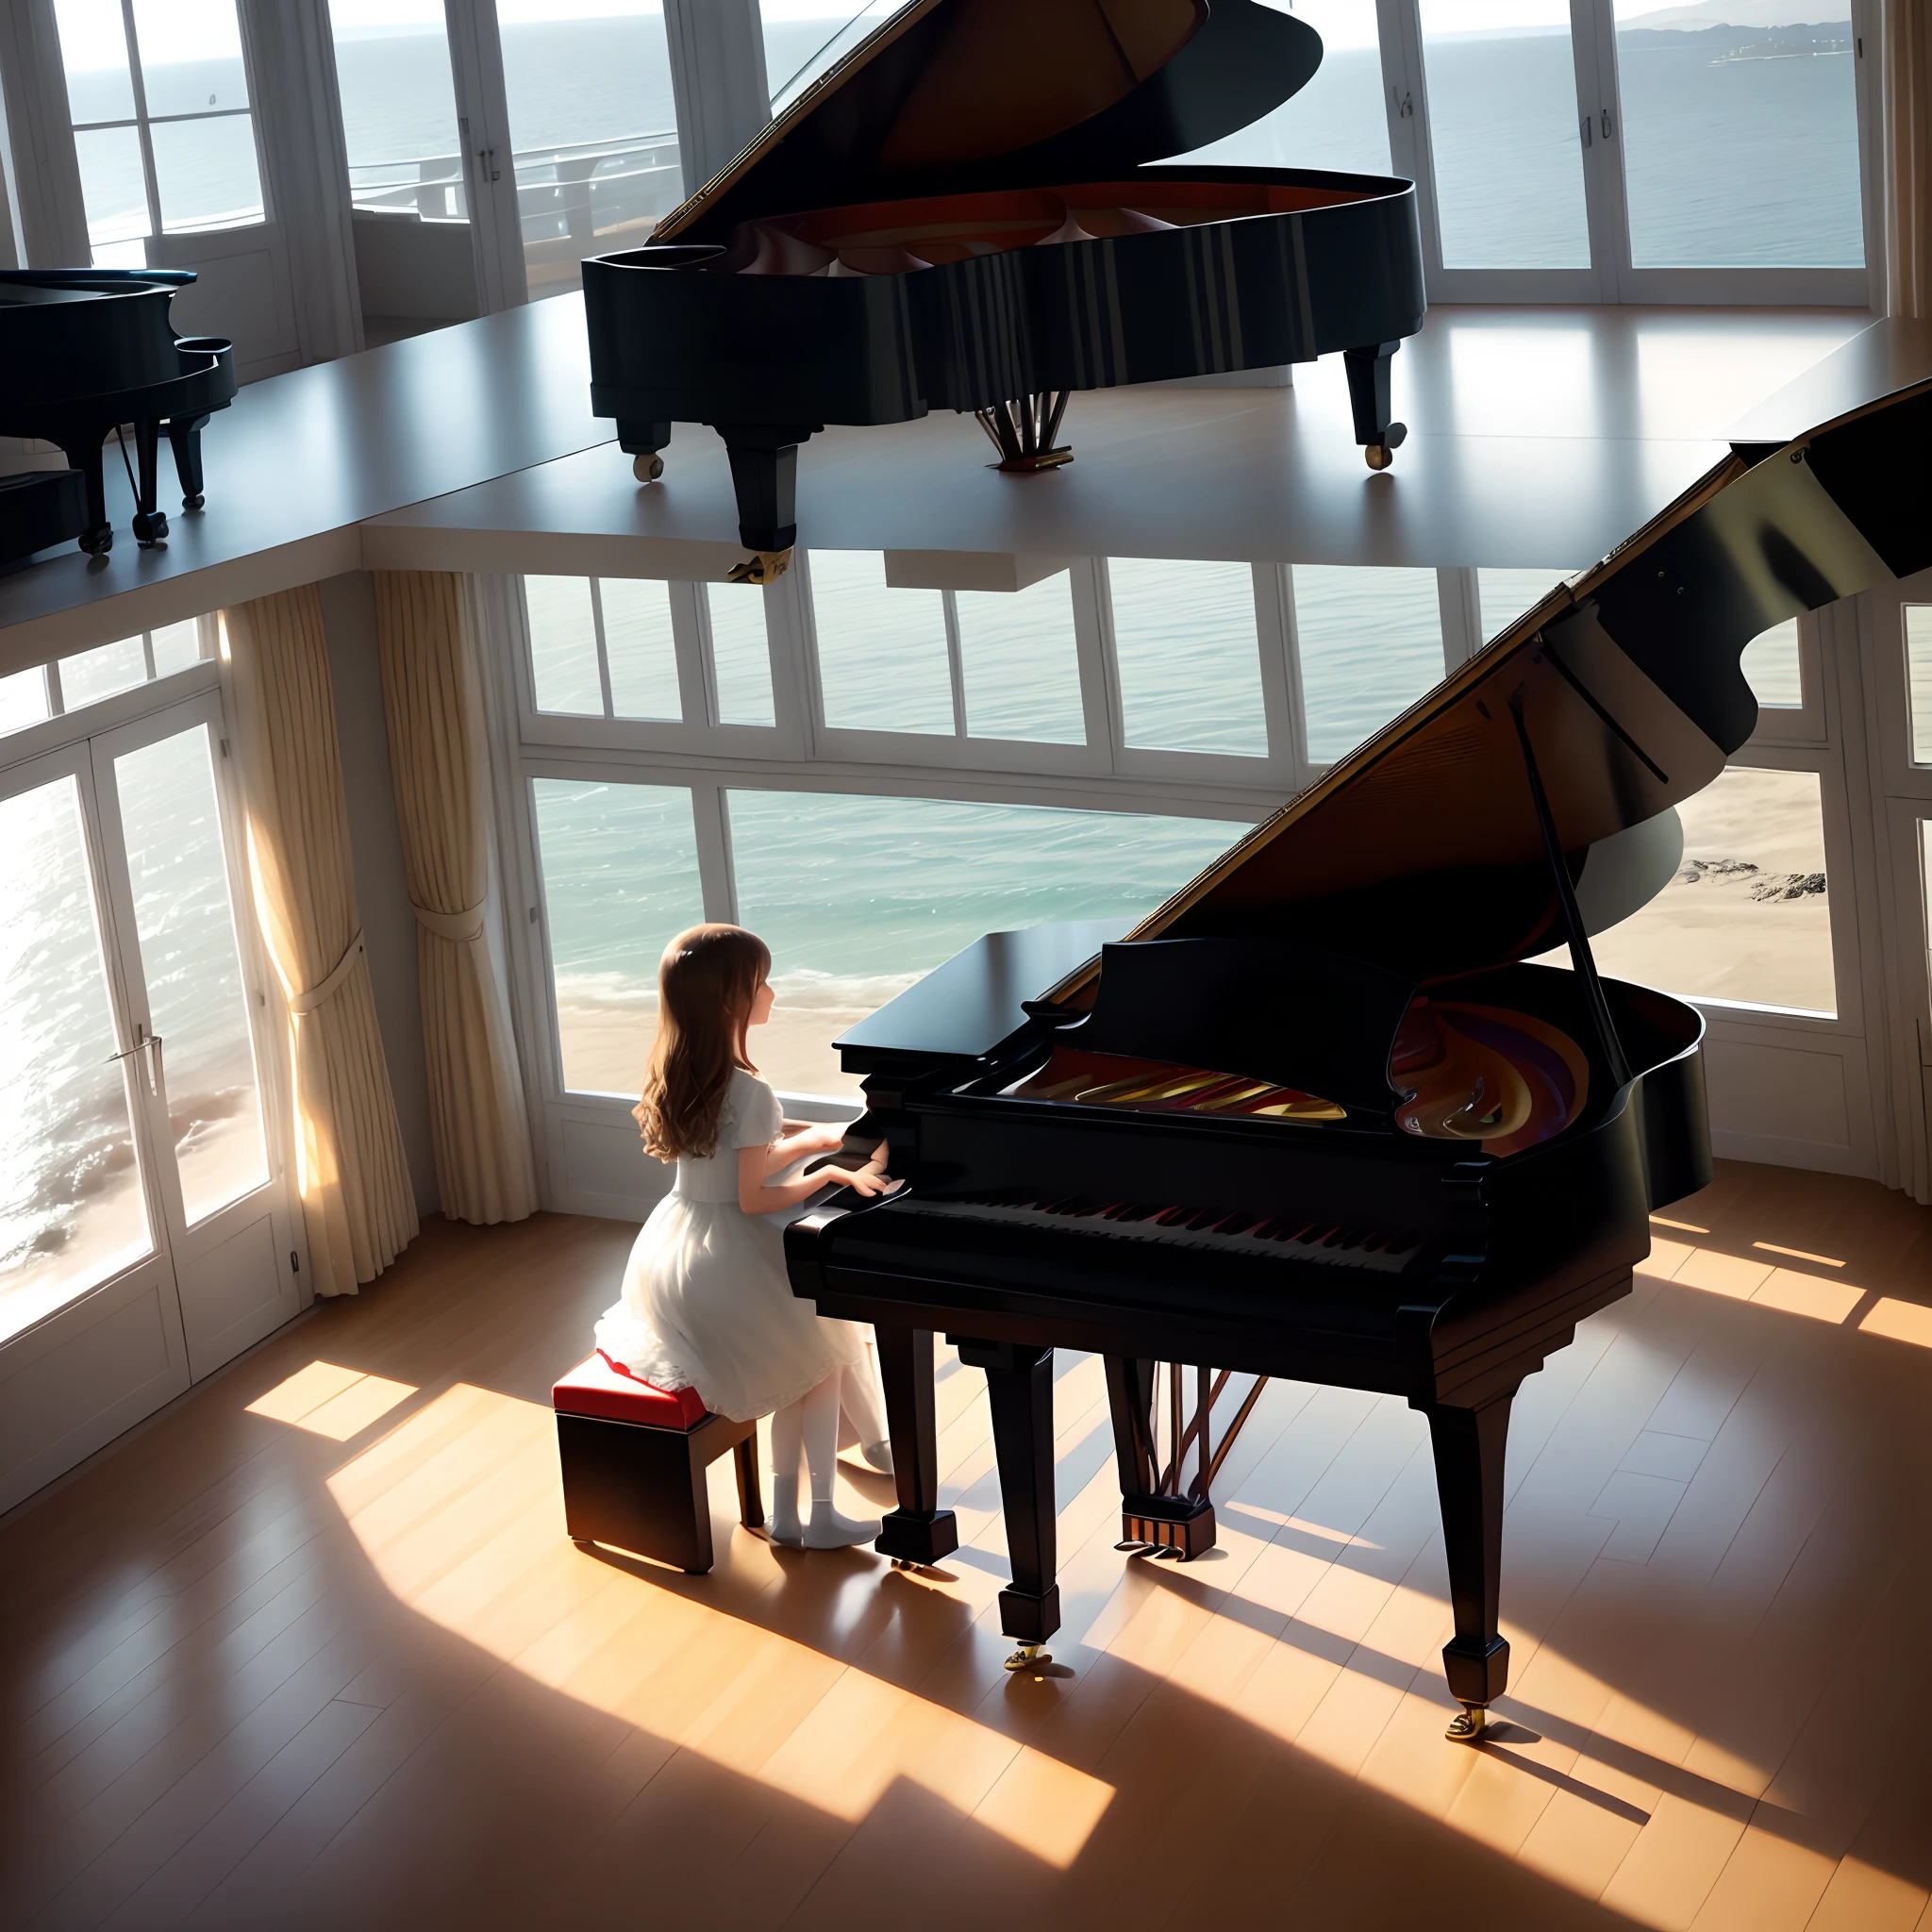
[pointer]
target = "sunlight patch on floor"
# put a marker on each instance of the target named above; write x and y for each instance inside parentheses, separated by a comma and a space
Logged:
(329, 1400)
(459, 1511)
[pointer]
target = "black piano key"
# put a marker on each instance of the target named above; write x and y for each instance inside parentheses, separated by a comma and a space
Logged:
(1141, 1211)
(1173, 1217)
(1207, 1218)
(1234, 1223)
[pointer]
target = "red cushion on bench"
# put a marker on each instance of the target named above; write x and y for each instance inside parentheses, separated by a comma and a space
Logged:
(595, 1387)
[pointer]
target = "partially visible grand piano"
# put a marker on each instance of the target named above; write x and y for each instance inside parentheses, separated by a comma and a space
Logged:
(956, 216)
(1317, 1116)
(84, 351)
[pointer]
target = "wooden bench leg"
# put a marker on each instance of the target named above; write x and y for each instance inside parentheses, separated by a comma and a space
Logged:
(751, 1502)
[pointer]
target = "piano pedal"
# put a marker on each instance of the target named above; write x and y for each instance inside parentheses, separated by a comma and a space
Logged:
(1040, 459)
(1470, 1725)
(1027, 1657)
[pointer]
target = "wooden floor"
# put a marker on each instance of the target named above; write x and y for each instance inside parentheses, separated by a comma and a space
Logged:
(312, 1650)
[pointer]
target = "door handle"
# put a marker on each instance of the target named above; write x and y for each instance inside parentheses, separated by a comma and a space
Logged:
(486, 159)
(1587, 120)
(149, 1044)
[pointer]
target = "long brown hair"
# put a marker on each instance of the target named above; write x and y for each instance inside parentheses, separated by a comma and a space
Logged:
(707, 982)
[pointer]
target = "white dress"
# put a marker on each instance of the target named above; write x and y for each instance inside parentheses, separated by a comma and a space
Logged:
(707, 1302)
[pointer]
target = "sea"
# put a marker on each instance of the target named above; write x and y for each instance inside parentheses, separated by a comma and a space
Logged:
(1732, 156)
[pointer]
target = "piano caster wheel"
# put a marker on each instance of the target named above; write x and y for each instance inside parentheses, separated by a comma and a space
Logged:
(1381, 454)
(761, 567)
(1469, 1727)
(149, 529)
(193, 502)
(1026, 1656)
(904, 1563)
(648, 467)
(97, 542)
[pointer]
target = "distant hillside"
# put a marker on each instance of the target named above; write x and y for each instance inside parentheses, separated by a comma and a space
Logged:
(1755, 14)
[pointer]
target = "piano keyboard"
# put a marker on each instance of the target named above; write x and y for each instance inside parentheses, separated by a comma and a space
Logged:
(1326, 1242)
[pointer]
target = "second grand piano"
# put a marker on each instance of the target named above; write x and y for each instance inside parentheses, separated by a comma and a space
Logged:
(1319, 1116)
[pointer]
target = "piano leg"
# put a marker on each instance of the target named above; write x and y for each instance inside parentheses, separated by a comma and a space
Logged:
(918, 1531)
(1018, 1384)
(97, 538)
(1470, 1445)
(184, 439)
(764, 477)
(150, 524)
(1369, 399)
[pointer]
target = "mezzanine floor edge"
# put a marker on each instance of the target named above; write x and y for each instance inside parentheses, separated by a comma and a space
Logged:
(332, 1661)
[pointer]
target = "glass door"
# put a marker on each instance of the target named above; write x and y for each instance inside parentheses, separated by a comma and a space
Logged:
(195, 1002)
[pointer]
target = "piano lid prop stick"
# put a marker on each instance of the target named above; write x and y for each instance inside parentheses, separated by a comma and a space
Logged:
(1580, 956)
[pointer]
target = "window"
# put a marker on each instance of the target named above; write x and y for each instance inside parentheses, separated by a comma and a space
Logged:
(1185, 641)
(1370, 644)
(399, 107)
(1503, 128)
(157, 98)
(803, 37)
(859, 896)
(1746, 920)
(1506, 595)
(741, 654)
(1741, 136)
(1769, 664)
(1918, 679)
(1338, 120)
(596, 134)
(992, 664)
(90, 677)
(620, 872)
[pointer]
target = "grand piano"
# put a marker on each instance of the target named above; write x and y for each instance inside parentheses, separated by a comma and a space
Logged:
(82, 353)
(1321, 1115)
(957, 216)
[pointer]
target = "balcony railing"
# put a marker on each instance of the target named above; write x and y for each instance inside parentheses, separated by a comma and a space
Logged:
(568, 196)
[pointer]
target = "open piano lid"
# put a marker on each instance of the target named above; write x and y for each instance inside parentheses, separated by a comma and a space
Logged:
(952, 95)
(1423, 852)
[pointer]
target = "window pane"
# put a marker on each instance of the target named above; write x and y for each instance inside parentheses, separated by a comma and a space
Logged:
(856, 897)
(93, 50)
(1747, 917)
(189, 952)
(1504, 127)
(176, 646)
(1190, 667)
(71, 1207)
(639, 648)
(1919, 678)
(803, 37)
(882, 652)
(205, 172)
(111, 188)
(563, 645)
(23, 700)
(595, 131)
(399, 105)
(1771, 666)
(1338, 120)
(1021, 666)
(1371, 644)
(619, 865)
(741, 654)
(1506, 595)
(1740, 140)
(101, 672)
(190, 56)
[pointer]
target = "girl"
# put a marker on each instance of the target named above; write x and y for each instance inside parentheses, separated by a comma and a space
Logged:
(706, 1303)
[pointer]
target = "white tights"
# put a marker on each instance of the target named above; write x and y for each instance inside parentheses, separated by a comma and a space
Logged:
(810, 1424)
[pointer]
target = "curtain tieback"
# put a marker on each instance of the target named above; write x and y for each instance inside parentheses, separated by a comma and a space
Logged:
(306, 1002)
(459, 926)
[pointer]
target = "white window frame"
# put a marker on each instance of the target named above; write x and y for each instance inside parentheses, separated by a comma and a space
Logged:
(1611, 276)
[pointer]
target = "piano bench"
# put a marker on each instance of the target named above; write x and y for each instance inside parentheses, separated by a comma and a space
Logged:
(634, 1459)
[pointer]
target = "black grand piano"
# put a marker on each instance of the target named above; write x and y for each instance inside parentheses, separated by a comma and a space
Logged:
(956, 216)
(84, 351)
(1317, 1117)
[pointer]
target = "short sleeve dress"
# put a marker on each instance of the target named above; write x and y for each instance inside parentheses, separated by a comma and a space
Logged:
(707, 1302)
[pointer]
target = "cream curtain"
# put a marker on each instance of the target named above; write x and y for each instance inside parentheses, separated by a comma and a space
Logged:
(433, 703)
(357, 1201)
(1907, 77)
